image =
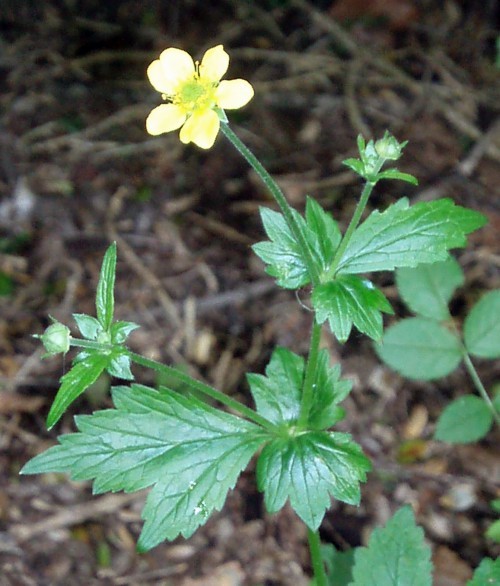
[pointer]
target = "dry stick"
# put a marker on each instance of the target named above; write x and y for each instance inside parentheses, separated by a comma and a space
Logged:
(75, 514)
(438, 95)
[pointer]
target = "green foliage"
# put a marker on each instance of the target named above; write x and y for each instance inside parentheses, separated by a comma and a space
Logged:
(92, 362)
(350, 300)
(397, 555)
(487, 574)
(282, 253)
(406, 236)
(190, 453)
(493, 531)
(105, 299)
(465, 420)
(427, 289)
(420, 348)
(423, 348)
(83, 374)
(306, 467)
(482, 327)
(338, 565)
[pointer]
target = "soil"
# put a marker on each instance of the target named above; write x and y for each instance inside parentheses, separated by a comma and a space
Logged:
(77, 170)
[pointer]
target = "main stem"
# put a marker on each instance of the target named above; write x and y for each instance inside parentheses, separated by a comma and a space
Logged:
(310, 375)
(278, 195)
(181, 377)
(316, 558)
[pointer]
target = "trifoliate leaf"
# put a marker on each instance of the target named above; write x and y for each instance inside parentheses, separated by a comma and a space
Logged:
(420, 348)
(405, 236)
(465, 420)
(308, 469)
(278, 394)
(282, 252)
(105, 300)
(350, 300)
(487, 574)
(397, 555)
(482, 327)
(190, 453)
(427, 288)
(82, 374)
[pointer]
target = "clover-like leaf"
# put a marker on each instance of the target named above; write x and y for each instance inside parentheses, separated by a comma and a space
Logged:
(465, 420)
(482, 327)
(190, 453)
(427, 288)
(347, 301)
(420, 348)
(406, 236)
(308, 469)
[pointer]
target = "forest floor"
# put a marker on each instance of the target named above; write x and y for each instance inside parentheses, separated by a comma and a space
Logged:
(77, 171)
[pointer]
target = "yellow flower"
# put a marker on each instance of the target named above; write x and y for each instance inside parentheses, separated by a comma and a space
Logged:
(195, 93)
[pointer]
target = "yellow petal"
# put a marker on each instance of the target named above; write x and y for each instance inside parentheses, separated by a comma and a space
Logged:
(214, 64)
(201, 129)
(157, 79)
(173, 67)
(164, 118)
(233, 94)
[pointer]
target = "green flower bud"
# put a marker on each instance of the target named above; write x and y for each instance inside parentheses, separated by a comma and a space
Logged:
(56, 339)
(389, 148)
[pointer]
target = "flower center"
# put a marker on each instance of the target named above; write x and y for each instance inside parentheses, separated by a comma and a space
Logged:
(195, 94)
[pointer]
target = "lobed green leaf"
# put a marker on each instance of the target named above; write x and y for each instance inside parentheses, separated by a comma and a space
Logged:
(278, 394)
(487, 574)
(404, 236)
(282, 252)
(397, 555)
(190, 453)
(347, 301)
(308, 469)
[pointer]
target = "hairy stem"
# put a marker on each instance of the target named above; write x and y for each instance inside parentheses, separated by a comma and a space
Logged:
(278, 195)
(308, 389)
(316, 559)
(353, 224)
(181, 377)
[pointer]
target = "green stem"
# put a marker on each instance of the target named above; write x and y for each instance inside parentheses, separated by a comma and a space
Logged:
(471, 369)
(278, 195)
(308, 389)
(316, 558)
(182, 378)
(353, 224)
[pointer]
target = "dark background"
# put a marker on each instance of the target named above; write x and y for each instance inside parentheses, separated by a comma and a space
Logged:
(77, 171)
